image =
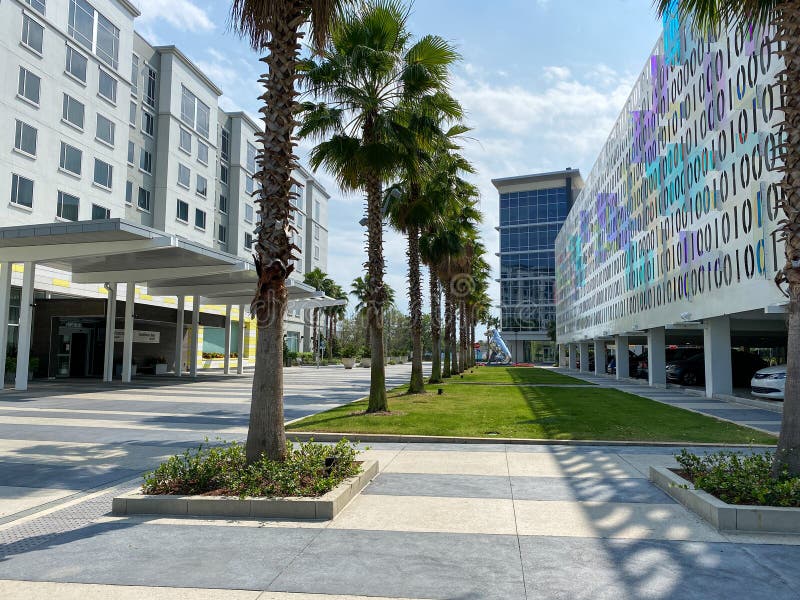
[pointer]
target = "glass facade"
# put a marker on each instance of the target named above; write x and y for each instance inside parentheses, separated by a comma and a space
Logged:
(529, 223)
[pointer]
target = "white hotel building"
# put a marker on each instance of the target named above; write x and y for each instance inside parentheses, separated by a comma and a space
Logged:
(100, 126)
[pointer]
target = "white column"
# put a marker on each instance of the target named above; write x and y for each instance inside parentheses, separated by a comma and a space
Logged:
(111, 325)
(562, 359)
(195, 335)
(717, 352)
(227, 362)
(5, 304)
(127, 340)
(623, 357)
(599, 357)
(25, 324)
(179, 336)
(657, 357)
(240, 362)
(573, 356)
(584, 346)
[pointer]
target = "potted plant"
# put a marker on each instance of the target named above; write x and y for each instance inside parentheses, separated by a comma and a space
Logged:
(33, 366)
(349, 352)
(160, 366)
(366, 361)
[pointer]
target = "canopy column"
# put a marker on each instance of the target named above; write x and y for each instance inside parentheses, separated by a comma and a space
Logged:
(179, 336)
(240, 362)
(127, 339)
(25, 324)
(195, 335)
(623, 357)
(5, 304)
(227, 360)
(111, 327)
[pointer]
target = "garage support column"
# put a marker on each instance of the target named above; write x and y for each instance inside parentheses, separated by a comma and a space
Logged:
(179, 336)
(227, 350)
(127, 340)
(240, 361)
(599, 357)
(623, 358)
(562, 359)
(717, 351)
(111, 327)
(5, 304)
(195, 336)
(657, 357)
(573, 356)
(25, 323)
(584, 346)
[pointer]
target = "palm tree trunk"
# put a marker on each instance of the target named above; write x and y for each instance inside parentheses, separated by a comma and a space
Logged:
(376, 294)
(436, 327)
(787, 456)
(273, 255)
(417, 384)
(452, 335)
(462, 342)
(314, 322)
(447, 369)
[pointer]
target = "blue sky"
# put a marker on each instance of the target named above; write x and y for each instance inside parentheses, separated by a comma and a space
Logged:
(542, 82)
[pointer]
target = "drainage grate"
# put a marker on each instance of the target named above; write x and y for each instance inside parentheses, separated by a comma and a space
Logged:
(27, 536)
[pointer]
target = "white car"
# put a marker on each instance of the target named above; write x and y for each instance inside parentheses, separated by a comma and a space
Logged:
(769, 382)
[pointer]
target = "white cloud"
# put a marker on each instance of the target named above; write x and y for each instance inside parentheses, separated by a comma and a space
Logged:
(181, 14)
(556, 73)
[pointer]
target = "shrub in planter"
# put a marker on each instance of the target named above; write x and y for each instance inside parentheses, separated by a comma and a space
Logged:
(738, 478)
(310, 469)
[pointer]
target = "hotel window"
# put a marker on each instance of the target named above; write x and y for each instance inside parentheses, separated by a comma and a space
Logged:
(148, 123)
(77, 64)
(194, 113)
(249, 184)
(134, 75)
(223, 174)
(202, 152)
(100, 212)
(25, 138)
(146, 161)
(105, 130)
(73, 111)
(94, 32)
(222, 234)
(71, 159)
(67, 206)
(182, 211)
(225, 146)
(32, 34)
(103, 173)
(199, 219)
(128, 192)
(107, 87)
(151, 87)
(223, 204)
(132, 114)
(131, 153)
(21, 191)
(316, 210)
(202, 186)
(251, 157)
(144, 199)
(248, 213)
(185, 142)
(316, 252)
(29, 86)
(184, 176)
(316, 231)
(248, 241)
(37, 5)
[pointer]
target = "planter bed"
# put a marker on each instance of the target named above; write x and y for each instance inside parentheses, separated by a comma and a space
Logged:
(324, 507)
(724, 516)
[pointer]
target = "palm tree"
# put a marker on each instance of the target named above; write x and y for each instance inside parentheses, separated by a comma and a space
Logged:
(707, 15)
(275, 27)
(366, 80)
(318, 279)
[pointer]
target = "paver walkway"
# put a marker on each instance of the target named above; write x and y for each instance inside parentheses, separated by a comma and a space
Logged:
(765, 416)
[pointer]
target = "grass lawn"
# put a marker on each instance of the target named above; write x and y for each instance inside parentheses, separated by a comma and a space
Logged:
(515, 375)
(532, 412)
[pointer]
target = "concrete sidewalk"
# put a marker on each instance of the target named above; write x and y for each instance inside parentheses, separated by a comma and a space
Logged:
(762, 415)
(441, 521)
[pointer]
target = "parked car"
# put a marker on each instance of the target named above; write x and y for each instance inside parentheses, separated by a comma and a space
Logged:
(670, 355)
(633, 364)
(692, 371)
(769, 382)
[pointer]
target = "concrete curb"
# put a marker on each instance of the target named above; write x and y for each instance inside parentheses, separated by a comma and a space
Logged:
(323, 508)
(379, 438)
(724, 516)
